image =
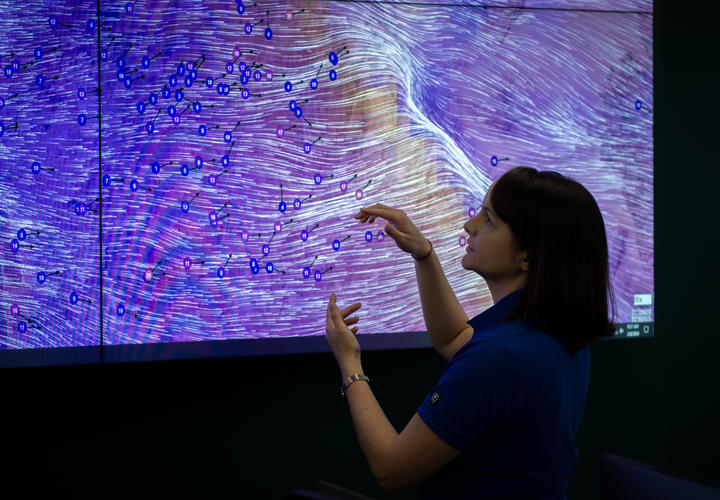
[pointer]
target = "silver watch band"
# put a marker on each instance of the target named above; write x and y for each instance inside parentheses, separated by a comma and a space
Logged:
(352, 378)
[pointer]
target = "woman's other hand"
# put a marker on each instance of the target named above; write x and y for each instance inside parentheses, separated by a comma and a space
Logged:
(338, 334)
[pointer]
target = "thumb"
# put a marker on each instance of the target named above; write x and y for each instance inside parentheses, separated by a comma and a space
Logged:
(391, 230)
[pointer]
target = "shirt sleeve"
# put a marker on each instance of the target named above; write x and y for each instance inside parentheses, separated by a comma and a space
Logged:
(479, 388)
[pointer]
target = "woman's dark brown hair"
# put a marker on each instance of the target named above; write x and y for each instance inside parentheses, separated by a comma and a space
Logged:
(558, 222)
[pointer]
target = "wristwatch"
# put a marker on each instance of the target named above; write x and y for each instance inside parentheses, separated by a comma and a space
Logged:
(423, 257)
(352, 378)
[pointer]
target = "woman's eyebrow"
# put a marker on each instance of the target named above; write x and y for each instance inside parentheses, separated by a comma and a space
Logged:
(487, 209)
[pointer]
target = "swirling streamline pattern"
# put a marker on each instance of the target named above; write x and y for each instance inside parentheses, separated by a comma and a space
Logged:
(424, 97)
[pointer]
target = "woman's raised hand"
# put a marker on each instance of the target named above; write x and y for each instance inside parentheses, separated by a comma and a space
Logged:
(399, 228)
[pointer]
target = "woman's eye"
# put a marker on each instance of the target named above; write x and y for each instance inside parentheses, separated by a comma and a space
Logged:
(487, 219)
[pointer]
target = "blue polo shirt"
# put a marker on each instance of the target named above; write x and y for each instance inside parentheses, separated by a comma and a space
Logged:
(510, 400)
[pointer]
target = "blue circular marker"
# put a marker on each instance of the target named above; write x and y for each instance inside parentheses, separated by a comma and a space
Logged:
(638, 104)
(197, 107)
(221, 272)
(333, 75)
(282, 207)
(313, 83)
(336, 245)
(106, 180)
(129, 7)
(193, 74)
(220, 88)
(141, 107)
(269, 267)
(209, 82)
(298, 112)
(145, 61)
(153, 99)
(318, 179)
(248, 28)
(120, 75)
(73, 297)
(306, 272)
(104, 54)
(81, 209)
(128, 82)
(2, 102)
(240, 8)
(38, 53)
(225, 160)
(40, 80)
(293, 105)
(244, 79)
(179, 95)
(81, 93)
(188, 81)
(198, 161)
(318, 275)
(184, 170)
(180, 69)
(21, 234)
(307, 147)
(266, 249)
(171, 110)
(155, 167)
(120, 310)
(120, 62)
(494, 161)
(288, 86)
(297, 204)
(52, 20)
(2, 129)
(254, 266)
(90, 24)
(268, 33)
(257, 75)
(229, 68)
(41, 277)
(22, 327)
(227, 136)
(242, 66)
(245, 93)
(35, 167)
(202, 130)
(82, 119)
(333, 58)
(8, 71)
(134, 185)
(226, 89)
(304, 235)
(368, 236)
(172, 80)
(166, 93)
(185, 206)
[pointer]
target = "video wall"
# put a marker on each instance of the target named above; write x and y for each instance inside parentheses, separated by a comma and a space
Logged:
(175, 172)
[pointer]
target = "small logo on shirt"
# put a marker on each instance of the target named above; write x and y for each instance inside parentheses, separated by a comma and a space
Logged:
(434, 398)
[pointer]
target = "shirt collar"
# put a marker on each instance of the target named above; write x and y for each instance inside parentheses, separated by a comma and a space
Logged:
(496, 313)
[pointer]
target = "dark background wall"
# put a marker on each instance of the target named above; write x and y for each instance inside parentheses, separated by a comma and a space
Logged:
(259, 427)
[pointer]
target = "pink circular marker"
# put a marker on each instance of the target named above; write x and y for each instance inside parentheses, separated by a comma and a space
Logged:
(244, 235)
(268, 75)
(148, 275)
(280, 131)
(237, 52)
(380, 236)
(289, 15)
(278, 227)
(343, 186)
(213, 216)
(359, 194)
(462, 241)
(14, 310)
(471, 212)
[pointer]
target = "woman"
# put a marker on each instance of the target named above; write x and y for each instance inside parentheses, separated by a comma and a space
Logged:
(502, 419)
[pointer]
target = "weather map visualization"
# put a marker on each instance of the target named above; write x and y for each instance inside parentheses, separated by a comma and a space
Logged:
(178, 171)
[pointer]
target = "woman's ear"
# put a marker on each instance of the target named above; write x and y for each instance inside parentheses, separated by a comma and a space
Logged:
(525, 262)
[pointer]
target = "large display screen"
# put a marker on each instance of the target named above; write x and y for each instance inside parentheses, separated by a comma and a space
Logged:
(179, 178)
